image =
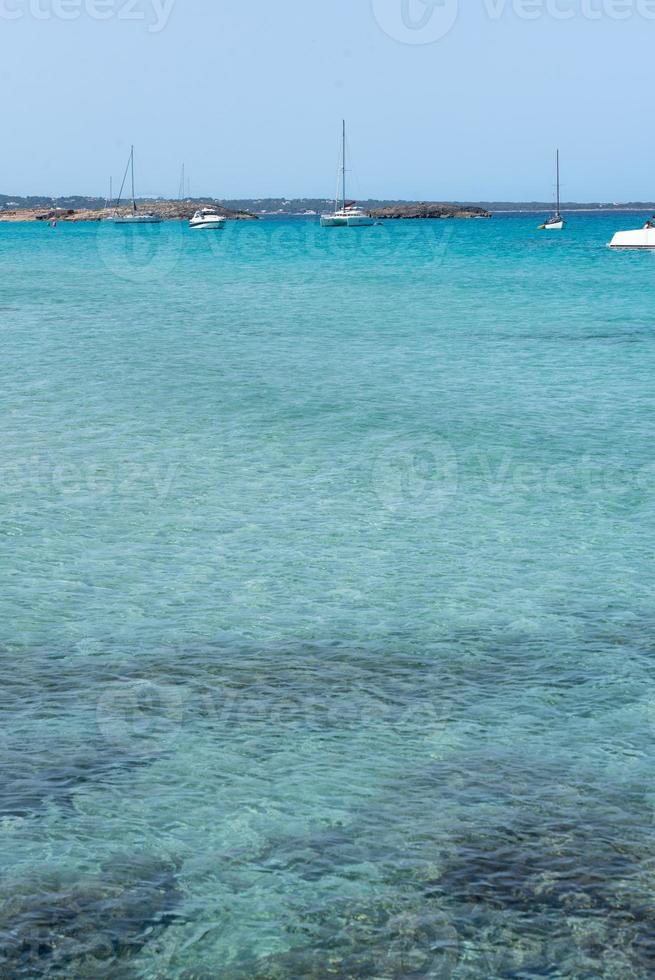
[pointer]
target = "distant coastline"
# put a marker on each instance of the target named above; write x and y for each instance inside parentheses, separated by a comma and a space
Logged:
(428, 210)
(85, 209)
(308, 207)
(166, 210)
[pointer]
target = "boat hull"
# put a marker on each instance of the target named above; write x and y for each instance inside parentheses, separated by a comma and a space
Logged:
(641, 239)
(341, 220)
(139, 219)
(207, 225)
(333, 221)
(554, 225)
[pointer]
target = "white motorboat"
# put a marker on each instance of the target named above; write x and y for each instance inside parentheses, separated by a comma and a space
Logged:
(556, 222)
(641, 239)
(208, 219)
(348, 215)
(136, 217)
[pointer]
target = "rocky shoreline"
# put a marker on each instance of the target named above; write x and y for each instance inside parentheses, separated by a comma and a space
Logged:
(183, 210)
(429, 210)
(167, 210)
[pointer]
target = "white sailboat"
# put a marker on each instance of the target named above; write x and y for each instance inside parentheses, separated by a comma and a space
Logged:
(556, 222)
(136, 217)
(348, 215)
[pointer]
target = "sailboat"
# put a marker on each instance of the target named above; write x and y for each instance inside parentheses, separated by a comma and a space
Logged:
(348, 215)
(556, 222)
(136, 217)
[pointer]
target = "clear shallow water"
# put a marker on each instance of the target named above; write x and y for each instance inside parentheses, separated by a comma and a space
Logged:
(326, 619)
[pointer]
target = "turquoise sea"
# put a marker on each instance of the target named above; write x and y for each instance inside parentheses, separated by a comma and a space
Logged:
(326, 605)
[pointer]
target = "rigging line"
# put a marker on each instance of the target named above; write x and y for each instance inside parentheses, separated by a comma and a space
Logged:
(133, 198)
(120, 193)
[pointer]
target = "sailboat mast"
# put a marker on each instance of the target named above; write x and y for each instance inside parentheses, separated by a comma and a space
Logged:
(558, 181)
(132, 166)
(343, 163)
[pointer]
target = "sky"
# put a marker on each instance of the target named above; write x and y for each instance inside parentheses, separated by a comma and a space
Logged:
(444, 99)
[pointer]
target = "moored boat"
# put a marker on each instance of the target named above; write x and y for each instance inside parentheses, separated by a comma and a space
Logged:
(334, 220)
(556, 222)
(348, 215)
(135, 217)
(356, 217)
(207, 219)
(641, 239)
(142, 218)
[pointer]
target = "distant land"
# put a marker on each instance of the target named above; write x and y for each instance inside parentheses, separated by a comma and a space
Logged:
(303, 205)
(428, 210)
(309, 206)
(166, 210)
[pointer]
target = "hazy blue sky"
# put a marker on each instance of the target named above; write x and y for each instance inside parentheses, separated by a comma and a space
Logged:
(250, 94)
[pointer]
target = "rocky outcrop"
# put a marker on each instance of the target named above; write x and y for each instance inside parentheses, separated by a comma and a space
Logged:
(426, 210)
(168, 210)
(60, 924)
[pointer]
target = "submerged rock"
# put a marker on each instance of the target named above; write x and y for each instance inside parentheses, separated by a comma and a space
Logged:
(52, 774)
(566, 894)
(58, 926)
(386, 940)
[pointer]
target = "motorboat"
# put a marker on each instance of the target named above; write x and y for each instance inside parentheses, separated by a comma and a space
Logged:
(208, 219)
(641, 239)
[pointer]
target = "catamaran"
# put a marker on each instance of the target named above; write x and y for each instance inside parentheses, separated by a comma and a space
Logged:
(556, 222)
(136, 217)
(348, 215)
